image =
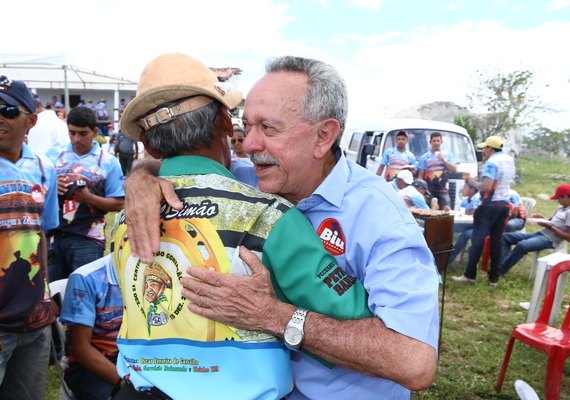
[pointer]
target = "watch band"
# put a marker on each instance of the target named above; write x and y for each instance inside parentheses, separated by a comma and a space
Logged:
(296, 326)
(298, 317)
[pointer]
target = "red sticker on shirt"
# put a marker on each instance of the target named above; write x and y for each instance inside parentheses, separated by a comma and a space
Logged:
(37, 194)
(332, 236)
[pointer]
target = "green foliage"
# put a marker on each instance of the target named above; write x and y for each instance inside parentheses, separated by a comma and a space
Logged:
(468, 122)
(549, 143)
(504, 102)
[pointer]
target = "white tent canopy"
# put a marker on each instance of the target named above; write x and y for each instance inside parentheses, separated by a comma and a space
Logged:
(57, 71)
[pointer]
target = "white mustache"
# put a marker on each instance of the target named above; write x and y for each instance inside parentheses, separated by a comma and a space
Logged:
(261, 158)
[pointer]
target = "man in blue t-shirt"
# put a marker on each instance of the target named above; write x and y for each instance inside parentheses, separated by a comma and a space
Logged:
(90, 184)
(28, 209)
(397, 158)
(434, 167)
(93, 312)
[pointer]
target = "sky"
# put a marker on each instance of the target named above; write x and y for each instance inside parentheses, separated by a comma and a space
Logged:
(393, 54)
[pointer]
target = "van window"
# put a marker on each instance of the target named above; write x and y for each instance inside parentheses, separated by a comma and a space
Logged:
(355, 141)
(418, 143)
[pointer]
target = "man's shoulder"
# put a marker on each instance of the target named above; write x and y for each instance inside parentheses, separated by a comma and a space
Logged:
(228, 185)
(57, 152)
(93, 265)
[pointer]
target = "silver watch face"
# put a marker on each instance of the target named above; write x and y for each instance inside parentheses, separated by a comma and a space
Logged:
(293, 336)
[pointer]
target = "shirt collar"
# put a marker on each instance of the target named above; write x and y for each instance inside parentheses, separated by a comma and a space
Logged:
(27, 152)
(333, 187)
(192, 165)
(94, 150)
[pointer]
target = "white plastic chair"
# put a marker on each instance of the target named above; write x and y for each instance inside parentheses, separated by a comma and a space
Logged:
(529, 203)
(525, 391)
(57, 289)
(561, 248)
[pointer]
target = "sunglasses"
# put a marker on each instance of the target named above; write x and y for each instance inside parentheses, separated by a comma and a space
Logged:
(237, 140)
(11, 112)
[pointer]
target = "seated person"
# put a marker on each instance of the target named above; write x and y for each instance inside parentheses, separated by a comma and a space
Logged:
(469, 203)
(422, 187)
(93, 312)
(556, 229)
(517, 216)
(407, 192)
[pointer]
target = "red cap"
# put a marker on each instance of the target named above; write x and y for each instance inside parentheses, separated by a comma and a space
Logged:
(562, 190)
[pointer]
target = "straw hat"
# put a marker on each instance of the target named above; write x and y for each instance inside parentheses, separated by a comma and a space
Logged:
(171, 77)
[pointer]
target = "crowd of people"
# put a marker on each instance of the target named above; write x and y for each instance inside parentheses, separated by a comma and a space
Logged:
(431, 172)
(499, 214)
(497, 209)
(246, 261)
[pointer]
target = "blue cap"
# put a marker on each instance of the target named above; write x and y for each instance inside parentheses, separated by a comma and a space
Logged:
(16, 93)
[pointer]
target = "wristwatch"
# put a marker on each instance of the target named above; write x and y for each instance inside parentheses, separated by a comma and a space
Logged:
(294, 334)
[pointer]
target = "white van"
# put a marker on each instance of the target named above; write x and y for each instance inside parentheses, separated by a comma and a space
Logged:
(366, 146)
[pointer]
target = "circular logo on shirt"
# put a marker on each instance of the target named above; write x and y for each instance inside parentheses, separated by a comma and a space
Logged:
(332, 236)
(37, 194)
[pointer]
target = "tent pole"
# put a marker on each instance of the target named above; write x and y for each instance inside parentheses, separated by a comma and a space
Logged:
(66, 90)
(116, 108)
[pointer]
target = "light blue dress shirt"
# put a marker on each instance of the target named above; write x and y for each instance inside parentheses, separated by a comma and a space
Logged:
(383, 247)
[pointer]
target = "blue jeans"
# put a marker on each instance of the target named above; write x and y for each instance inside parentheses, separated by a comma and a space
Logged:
(71, 252)
(466, 233)
(85, 385)
(514, 224)
(24, 362)
(487, 221)
(524, 243)
(442, 199)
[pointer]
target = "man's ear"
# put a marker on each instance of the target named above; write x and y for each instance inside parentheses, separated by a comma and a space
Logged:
(32, 119)
(148, 147)
(223, 122)
(328, 133)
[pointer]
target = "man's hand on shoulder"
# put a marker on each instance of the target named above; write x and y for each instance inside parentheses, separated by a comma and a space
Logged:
(144, 193)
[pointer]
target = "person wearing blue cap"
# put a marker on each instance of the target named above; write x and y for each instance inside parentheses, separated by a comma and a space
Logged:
(28, 208)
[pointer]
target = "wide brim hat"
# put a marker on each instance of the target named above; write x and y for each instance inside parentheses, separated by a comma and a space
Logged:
(172, 77)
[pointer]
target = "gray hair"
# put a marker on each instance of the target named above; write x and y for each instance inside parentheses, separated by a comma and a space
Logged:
(327, 96)
(186, 132)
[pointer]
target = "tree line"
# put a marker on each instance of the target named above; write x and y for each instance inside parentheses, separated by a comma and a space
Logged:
(506, 104)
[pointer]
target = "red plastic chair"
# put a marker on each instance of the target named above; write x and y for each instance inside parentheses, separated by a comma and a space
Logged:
(487, 250)
(554, 342)
(486, 254)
